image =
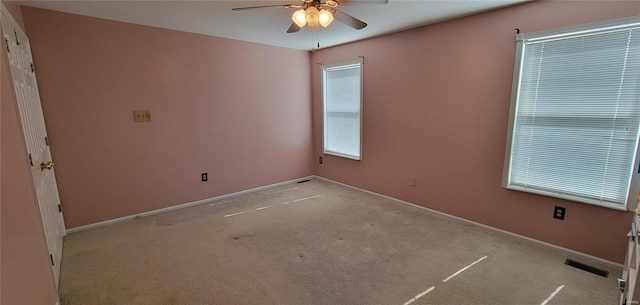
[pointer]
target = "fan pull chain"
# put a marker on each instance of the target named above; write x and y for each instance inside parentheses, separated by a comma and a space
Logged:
(315, 41)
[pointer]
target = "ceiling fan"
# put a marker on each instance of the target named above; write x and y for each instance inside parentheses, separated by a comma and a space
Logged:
(316, 13)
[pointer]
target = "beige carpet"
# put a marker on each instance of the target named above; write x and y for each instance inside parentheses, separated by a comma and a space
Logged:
(317, 243)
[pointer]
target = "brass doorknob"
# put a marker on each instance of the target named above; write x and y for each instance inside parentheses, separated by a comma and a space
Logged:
(48, 165)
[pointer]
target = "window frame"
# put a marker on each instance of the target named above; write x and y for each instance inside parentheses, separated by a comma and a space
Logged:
(333, 67)
(634, 181)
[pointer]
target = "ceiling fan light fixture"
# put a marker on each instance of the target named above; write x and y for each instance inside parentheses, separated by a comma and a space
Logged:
(299, 18)
(325, 18)
(313, 15)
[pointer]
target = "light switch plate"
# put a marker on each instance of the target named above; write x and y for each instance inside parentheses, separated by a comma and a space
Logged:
(142, 115)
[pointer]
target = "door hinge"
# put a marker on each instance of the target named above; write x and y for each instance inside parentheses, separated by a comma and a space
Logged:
(59, 209)
(6, 41)
(17, 40)
(46, 140)
(51, 257)
(32, 68)
(30, 160)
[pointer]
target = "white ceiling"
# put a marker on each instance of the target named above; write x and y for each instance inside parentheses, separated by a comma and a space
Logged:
(269, 25)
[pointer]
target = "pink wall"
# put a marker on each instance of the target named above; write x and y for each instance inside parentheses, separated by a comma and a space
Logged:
(436, 106)
(26, 276)
(239, 111)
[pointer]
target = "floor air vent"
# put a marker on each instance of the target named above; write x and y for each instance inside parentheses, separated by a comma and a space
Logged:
(587, 268)
(303, 181)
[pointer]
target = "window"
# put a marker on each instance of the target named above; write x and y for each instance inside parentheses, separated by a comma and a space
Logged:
(575, 114)
(342, 109)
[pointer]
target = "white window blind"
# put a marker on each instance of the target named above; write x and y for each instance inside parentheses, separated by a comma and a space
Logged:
(342, 93)
(574, 128)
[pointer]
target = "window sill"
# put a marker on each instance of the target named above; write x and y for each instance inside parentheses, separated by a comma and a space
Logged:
(604, 204)
(331, 153)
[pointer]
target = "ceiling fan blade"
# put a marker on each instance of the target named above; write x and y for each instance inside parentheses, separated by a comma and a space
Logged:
(266, 6)
(293, 28)
(359, 2)
(349, 20)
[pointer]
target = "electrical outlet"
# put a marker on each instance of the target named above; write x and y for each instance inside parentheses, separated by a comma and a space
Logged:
(412, 181)
(558, 212)
(205, 177)
(142, 115)
(320, 160)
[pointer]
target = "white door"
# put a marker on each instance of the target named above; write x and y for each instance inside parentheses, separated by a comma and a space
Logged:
(16, 46)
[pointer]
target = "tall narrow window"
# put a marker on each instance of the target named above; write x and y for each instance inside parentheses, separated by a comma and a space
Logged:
(575, 114)
(342, 103)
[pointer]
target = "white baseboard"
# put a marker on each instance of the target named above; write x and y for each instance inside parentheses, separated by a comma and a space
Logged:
(595, 258)
(180, 206)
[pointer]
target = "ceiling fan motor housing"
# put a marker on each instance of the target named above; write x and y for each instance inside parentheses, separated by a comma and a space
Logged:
(332, 3)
